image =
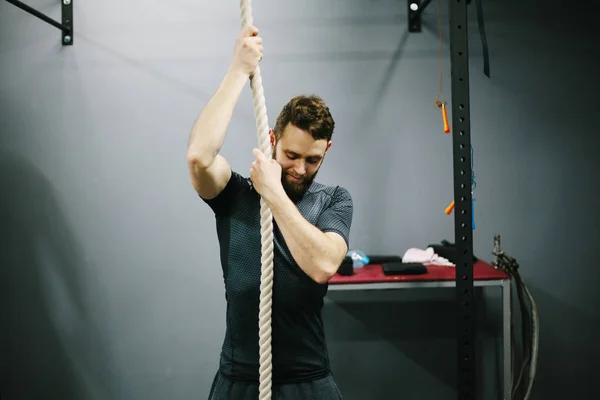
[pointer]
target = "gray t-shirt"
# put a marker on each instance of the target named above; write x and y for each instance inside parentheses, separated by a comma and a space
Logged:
(299, 351)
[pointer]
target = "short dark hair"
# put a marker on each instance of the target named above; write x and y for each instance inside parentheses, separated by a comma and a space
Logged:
(309, 113)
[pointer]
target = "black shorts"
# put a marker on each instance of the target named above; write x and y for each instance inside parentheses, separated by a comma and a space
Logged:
(325, 388)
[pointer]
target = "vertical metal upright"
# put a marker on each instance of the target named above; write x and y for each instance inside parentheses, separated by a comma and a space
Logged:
(463, 233)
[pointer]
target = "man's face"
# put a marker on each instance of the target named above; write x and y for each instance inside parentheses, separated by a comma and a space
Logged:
(300, 157)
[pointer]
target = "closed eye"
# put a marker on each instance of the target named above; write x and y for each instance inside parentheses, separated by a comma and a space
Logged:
(310, 160)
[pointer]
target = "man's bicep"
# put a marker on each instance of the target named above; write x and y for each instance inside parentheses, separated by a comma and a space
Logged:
(209, 182)
(337, 217)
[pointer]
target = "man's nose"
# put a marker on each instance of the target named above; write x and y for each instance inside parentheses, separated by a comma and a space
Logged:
(300, 167)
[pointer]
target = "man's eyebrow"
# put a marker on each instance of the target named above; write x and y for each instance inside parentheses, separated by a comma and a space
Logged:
(317, 156)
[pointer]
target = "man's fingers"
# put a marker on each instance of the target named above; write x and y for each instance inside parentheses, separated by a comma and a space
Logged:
(250, 31)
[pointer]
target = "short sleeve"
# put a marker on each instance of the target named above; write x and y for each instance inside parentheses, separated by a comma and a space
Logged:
(337, 217)
(223, 202)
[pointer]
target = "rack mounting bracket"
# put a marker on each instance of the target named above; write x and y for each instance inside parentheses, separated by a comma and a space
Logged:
(66, 24)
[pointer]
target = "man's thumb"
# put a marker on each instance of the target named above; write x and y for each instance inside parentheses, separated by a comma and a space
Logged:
(258, 154)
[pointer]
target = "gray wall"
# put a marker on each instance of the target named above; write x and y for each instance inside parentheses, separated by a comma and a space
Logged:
(110, 284)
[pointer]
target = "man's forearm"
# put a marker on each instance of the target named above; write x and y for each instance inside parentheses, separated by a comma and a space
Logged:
(208, 132)
(314, 251)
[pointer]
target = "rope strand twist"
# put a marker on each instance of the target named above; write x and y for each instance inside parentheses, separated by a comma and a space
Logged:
(266, 227)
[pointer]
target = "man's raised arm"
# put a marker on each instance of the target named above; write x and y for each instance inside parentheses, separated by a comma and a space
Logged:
(209, 171)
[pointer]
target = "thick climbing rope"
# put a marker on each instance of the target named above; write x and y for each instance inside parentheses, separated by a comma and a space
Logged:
(266, 227)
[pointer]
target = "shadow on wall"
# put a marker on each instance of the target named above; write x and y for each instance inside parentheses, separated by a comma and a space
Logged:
(412, 335)
(420, 325)
(47, 344)
(423, 331)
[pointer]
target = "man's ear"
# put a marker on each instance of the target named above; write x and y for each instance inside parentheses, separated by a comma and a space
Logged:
(328, 146)
(272, 137)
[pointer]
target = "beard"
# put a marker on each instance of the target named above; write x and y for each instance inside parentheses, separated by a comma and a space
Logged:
(294, 189)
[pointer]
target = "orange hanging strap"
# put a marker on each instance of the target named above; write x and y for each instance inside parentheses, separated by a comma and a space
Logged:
(449, 209)
(441, 104)
(445, 118)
